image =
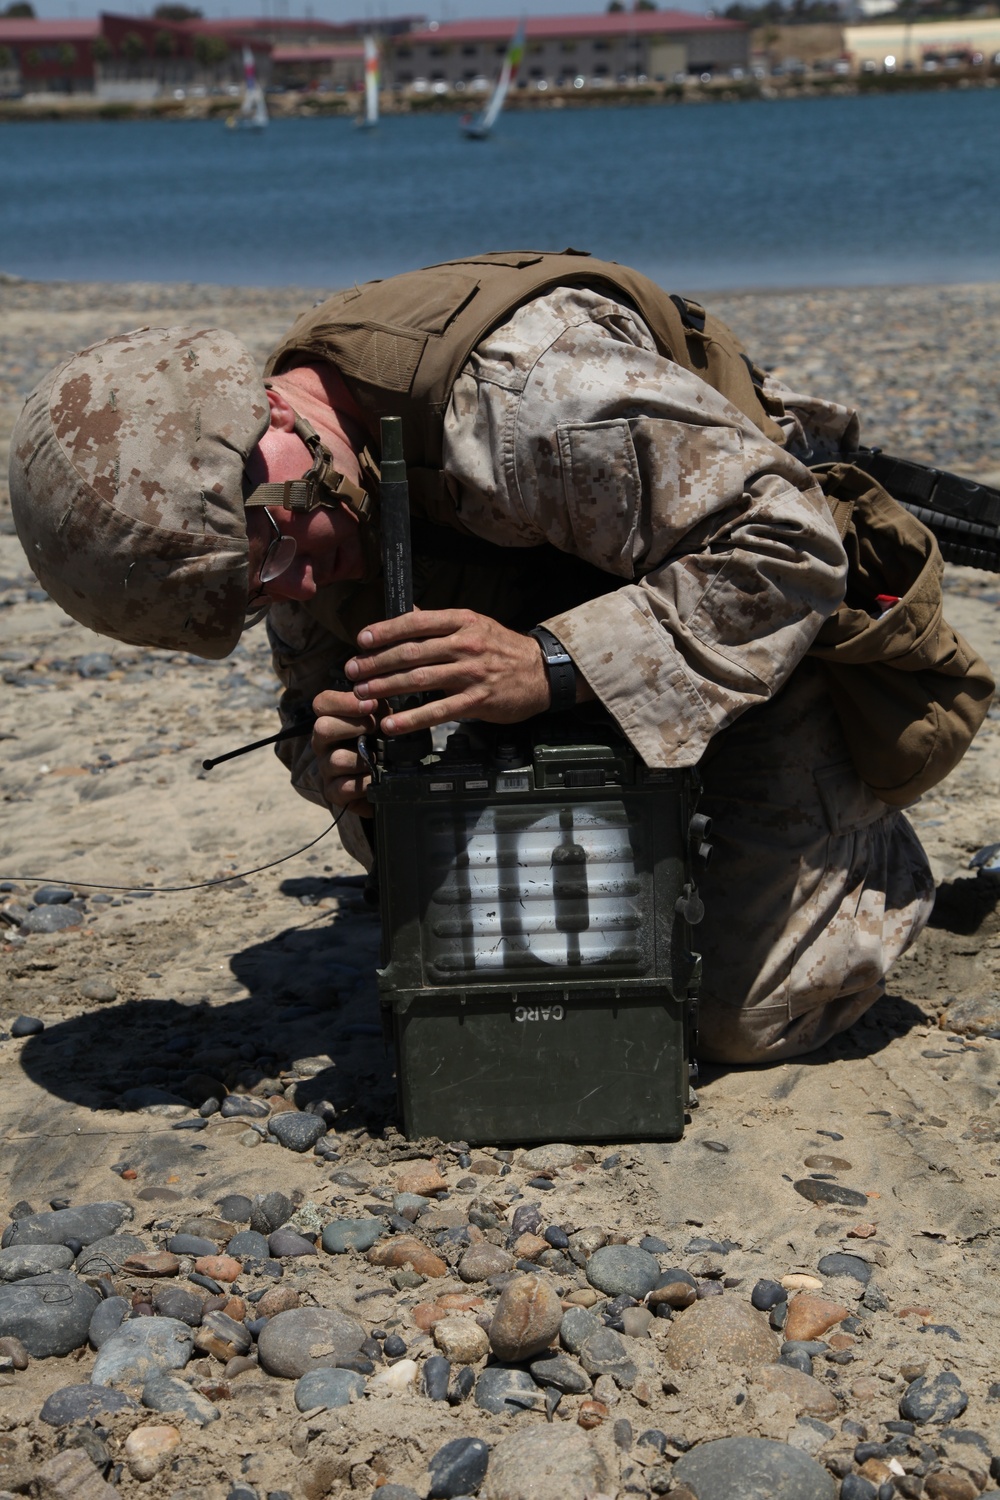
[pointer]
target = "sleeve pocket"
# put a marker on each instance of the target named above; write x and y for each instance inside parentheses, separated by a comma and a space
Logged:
(602, 493)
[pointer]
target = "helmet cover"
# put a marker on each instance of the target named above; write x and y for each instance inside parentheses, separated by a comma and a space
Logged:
(126, 482)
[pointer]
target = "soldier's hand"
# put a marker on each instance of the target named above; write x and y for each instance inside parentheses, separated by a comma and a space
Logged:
(343, 773)
(475, 667)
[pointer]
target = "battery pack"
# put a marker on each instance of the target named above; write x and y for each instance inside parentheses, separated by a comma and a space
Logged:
(537, 976)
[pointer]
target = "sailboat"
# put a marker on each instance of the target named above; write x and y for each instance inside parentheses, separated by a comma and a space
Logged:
(369, 119)
(478, 127)
(252, 113)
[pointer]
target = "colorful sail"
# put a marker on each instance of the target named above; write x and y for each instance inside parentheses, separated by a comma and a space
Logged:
(478, 127)
(371, 81)
(253, 110)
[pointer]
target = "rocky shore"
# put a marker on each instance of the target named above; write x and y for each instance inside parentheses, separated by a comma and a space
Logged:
(224, 1274)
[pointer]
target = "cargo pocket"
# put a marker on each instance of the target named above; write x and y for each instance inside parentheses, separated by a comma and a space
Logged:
(602, 491)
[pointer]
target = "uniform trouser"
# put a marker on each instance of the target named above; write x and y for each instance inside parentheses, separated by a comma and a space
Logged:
(815, 886)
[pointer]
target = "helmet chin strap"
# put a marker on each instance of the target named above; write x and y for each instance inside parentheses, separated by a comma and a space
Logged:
(324, 484)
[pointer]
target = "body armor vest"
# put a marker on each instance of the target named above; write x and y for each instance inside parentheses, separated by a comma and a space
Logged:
(401, 344)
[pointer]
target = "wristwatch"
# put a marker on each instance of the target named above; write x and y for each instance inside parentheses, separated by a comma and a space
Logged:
(559, 667)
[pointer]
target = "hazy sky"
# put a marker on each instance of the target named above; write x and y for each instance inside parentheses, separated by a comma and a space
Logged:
(349, 10)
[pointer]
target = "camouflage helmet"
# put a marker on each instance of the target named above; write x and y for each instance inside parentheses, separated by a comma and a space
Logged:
(126, 480)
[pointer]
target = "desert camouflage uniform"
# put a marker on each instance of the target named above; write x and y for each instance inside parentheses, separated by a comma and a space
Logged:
(566, 426)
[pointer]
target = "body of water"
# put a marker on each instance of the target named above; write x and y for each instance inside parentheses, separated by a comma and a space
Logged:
(775, 193)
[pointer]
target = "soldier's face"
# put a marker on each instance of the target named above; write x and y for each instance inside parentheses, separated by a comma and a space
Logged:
(327, 540)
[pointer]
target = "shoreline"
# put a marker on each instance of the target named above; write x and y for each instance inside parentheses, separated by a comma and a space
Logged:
(292, 105)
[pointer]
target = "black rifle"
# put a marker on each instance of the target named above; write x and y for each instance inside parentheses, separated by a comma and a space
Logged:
(963, 515)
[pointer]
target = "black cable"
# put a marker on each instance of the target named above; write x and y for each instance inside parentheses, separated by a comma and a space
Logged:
(161, 890)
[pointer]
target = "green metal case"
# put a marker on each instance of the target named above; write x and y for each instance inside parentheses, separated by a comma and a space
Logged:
(537, 976)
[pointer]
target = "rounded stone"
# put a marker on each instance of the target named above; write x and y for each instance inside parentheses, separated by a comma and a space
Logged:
(576, 1328)
(327, 1388)
(341, 1235)
(50, 1314)
(248, 1245)
(527, 1318)
(562, 1373)
(406, 1250)
(269, 1211)
(297, 1132)
(546, 1463)
(108, 1317)
(458, 1468)
(723, 1327)
(61, 1226)
(435, 1377)
(754, 1469)
(20, 1261)
(625, 1270)
(810, 1316)
(147, 1449)
(142, 1348)
(501, 1390)
(191, 1244)
(52, 919)
(809, 1397)
(235, 1208)
(767, 1294)
(939, 1400)
(461, 1340)
(26, 1026)
(287, 1345)
(107, 1256)
(81, 1403)
(480, 1262)
(166, 1393)
(605, 1353)
(285, 1242)
(173, 1301)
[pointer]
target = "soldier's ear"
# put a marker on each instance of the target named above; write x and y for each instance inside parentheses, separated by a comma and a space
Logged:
(282, 415)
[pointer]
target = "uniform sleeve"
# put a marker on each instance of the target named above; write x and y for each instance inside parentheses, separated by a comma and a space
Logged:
(568, 427)
(308, 659)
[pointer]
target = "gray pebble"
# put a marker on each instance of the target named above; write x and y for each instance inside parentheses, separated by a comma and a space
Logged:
(53, 895)
(33, 1260)
(767, 1294)
(248, 1244)
(284, 1345)
(50, 1314)
(173, 1301)
(500, 1389)
(617, 1269)
(51, 919)
(846, 1265)
(99, 989)
(234, 1105)
(142, 1348)
(577, 1326)
(167, 1393)
(106, 1256)
(60, 1226)
(561, 1372)
(940, 1399)
(754, 1469)
(654, 1245)
(235, 1207)
(191, 1244)
(285, 1242)
(604, 1353)
(435, 1375)
(297, 1132)
(351, 1234)
(556, 1462)
(397, 1492)
(394, 1347)
(817, 1191)
(328, 1388)
(26, 1025)
(79, 1403)
(269, 1211)
(108, 1317)
(458, 1468)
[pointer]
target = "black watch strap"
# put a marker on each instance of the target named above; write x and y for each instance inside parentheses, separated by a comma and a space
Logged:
(560, 669)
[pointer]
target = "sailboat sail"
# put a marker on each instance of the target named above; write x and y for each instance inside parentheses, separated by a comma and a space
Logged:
(479, 126)
(253, 111)
(371, 81)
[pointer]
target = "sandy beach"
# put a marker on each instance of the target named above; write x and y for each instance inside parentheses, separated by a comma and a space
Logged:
(262, 987)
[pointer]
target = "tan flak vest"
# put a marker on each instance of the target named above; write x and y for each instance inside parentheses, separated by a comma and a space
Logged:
(909, 691)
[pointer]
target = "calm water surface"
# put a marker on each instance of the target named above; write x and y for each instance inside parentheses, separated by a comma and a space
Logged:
(774, 193)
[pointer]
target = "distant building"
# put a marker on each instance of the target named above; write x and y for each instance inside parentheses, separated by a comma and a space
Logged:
(898, 43)
(123, 57)
(599, 49)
